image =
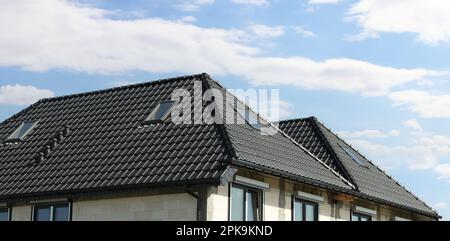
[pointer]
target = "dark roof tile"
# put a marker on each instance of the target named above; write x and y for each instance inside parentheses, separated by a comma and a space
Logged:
(371, 181)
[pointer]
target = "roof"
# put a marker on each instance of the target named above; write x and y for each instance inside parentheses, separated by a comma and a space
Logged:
(96, 141)
(370, 180)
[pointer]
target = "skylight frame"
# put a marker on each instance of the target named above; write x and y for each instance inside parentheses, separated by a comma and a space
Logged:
(354, 156)
(246, 113)
(20, 133)
(151, 118)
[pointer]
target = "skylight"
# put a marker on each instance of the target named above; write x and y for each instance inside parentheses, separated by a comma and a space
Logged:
(250, 117)
(20, 133)
(160, 112)
(354, 156)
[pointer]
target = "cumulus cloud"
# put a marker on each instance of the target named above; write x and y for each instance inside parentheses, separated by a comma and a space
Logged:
(367, 134)
(251, 2)
(304, 32)
(425, 152)
(60, 34)
(192, 5)
(429, 19)
(264, 31)
(412, 124)
(423, 103)
(323, 1)
(22, 95)
(440, 205)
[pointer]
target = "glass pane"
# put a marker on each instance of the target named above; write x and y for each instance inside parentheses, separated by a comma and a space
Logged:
(355, 217)
(353, 156)
(42, 213)
(252, 206)
(161, 110)
(298, 211)
(164, 108)
(4, 214)
(22, 130)
(250, 117)
(364, 219)
(61, 213)
(237, 204)
(310, 211)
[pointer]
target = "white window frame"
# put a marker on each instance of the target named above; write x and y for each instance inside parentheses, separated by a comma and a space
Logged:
(249, 183)
(51, 204)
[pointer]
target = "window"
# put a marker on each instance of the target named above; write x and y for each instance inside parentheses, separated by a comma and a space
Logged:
(360, 217)
(22, 131)
(161, 112)
(354, 156)
(4, 214)
(246, 203)
(250, 117)
(305, 210)
(52, 212)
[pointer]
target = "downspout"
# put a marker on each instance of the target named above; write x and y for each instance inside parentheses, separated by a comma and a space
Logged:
(193, 194)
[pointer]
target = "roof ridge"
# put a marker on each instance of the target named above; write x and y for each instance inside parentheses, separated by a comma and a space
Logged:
(316, 123)
(288, 137)
(313, 156)
(221, 128)
(379, 168)
(207, 77)
(136, 85)
(21, 112)
(299, 119)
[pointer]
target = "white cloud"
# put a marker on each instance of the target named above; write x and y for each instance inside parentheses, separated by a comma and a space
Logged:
(58, 34)
(263, 31)
(251, 2)
(323, 1)
(423, 103)
(122, 83)
(22, 95)
(187, 19)
(443, 170)
(429, 19)
(304, 32)
(425, 152)
(346, 75)
(412, 124)
(192, 5)
(367, 134)
(440, 205)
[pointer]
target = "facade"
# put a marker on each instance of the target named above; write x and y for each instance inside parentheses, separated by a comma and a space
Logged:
(112, 155)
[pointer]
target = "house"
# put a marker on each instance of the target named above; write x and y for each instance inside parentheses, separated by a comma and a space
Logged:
(113, 155)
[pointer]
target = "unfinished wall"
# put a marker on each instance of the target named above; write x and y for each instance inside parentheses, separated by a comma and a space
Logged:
(21, 213)
(171, 207)
(217, 204)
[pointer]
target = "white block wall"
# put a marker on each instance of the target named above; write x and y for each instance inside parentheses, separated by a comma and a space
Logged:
(171, 207)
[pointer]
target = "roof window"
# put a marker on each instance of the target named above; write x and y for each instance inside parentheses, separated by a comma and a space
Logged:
(354, 156)
(161, 112)
(250, 117)
(20, 133)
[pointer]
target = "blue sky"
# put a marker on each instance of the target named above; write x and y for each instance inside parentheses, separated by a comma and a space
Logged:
(375, 71)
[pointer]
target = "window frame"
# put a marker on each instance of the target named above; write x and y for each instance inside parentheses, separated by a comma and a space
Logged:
(246, 189)
(52, 206)
(359, 215)
(354, 156)
(8, 209)
(150, 119)
(304, 203)
(247, 115)
(12, 137)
